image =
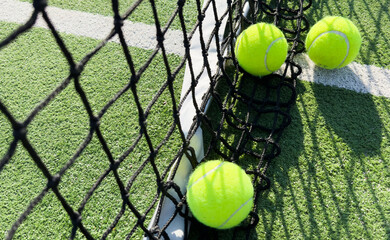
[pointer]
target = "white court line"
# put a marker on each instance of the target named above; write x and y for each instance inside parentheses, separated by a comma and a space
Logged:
(92, 25)
(356, 77)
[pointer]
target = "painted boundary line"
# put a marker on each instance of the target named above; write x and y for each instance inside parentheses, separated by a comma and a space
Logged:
(356, 77)
(92, 25)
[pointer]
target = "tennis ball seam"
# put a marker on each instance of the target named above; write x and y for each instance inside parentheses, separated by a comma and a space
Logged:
(338, 33)
(261, 49)
(266, 53)
(234, 213)
(237, 210)
(205, 175)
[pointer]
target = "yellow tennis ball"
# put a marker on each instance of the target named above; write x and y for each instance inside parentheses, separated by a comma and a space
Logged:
(261, 49)
(333, 42)
(220, 194)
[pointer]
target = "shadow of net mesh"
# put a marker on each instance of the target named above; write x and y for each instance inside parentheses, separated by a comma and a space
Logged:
(114, 173)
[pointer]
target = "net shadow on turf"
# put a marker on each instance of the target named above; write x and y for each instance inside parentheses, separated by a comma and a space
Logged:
(244, 124)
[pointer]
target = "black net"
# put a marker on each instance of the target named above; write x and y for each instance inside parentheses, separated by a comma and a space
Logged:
(243, 123)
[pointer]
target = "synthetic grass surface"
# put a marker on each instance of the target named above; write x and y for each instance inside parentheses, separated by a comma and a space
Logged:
(332, 179)
(372, 18)
(143, 13)
(30, 68)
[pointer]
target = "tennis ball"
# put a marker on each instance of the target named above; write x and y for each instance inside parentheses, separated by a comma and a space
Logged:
(220, 194)
(333, 42)
(261, 49)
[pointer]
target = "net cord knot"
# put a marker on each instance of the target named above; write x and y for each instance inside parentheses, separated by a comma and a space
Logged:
(20, 131)
(40, 5)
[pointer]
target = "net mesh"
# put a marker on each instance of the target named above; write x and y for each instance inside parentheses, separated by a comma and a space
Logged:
(243, 124)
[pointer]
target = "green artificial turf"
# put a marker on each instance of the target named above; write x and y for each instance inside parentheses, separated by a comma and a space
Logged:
(30, 68)
(143, 13)
(372, 18)
(331, 180)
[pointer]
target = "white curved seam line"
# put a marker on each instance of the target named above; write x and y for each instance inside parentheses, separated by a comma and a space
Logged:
(209, 172)
(338, 33)
(227, 220)
(266, 53)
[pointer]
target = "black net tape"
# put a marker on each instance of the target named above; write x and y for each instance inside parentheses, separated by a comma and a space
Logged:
(243, 124)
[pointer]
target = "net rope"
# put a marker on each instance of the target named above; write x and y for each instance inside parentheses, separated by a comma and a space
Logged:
(255, 110)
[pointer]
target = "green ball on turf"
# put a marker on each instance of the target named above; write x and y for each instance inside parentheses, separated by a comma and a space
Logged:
(261, 49)
(220, 194)
(333, 42)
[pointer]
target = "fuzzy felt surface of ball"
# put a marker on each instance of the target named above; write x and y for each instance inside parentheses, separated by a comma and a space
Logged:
(220, 194)
(261, 49)
(333, 42)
